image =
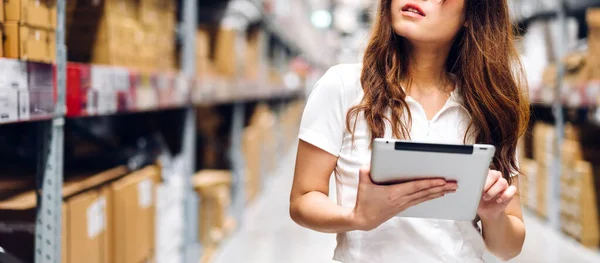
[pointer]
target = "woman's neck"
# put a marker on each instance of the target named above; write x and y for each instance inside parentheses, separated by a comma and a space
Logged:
(427, 68)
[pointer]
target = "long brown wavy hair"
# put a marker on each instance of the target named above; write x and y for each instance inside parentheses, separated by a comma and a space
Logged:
(487, 68)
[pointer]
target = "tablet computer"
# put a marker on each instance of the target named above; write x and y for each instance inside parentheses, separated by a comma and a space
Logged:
(394, 161)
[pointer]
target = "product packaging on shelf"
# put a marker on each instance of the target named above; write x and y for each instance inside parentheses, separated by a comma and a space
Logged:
(78, 87)
(28, 43)
(41, 90)
(35, 13)
(103, 89)
(14, 93)
(124, 93)
(146, 96)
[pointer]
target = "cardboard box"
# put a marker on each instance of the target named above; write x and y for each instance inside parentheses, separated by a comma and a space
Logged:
(202, 43)
(35, 13)
(2, 11)
(214, 188)
(229, 48)
(28, 43)
(133, 216)
(86, 227)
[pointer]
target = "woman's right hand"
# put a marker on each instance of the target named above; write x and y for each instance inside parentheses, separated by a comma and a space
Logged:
(376, 204)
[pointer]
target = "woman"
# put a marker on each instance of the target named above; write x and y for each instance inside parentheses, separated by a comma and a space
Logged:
(441, 71)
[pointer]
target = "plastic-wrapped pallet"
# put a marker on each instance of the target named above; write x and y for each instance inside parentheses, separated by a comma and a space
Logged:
(170, 213)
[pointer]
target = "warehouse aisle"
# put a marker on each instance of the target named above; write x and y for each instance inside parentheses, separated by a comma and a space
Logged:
(268, 235)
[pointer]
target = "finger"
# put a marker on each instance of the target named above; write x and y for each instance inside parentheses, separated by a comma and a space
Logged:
(507, 195)
(364, 176)
(500, 186)
(425, 199)
(417, 186)
(447, 188)
(492, 178)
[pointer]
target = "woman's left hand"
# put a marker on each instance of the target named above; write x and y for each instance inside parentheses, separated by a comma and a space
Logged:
(497, 193)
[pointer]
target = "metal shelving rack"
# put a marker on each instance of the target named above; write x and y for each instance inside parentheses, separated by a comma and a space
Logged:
(192, 248)
(50, 170)
(49, 176)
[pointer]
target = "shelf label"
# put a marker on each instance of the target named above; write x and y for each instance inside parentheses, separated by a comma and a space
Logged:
(96, 217)
(145, 193)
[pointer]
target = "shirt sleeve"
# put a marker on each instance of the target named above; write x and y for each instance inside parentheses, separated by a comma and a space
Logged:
(323, 120)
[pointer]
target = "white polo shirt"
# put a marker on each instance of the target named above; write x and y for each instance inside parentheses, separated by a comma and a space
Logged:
(400, 239)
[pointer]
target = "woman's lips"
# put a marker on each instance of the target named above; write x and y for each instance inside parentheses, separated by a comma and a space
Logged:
(413, 10)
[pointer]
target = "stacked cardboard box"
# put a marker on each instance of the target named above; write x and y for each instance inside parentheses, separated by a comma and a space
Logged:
(251, 149)
(214, 188)
(157, 36)
(129, 33)
(28, 30)
(256, 68)
(85, 217)
(593, 20)
(107, 218)
(205, 71)
(543, 149)
(259, 147)
(579, 213)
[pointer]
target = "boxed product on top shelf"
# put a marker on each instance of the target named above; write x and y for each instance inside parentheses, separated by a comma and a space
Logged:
(214, 188)
(28, 30)
(232, 60)
(137, 34)
(28, 43)
(33, 13)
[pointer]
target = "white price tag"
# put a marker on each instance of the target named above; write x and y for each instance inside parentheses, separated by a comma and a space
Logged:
(93, 223)
(101, 214)
(145, 193)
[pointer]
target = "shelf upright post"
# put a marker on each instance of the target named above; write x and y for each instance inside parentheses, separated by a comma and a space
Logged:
(192, 248)
(50, 160)
(237, 161)
(557, 107)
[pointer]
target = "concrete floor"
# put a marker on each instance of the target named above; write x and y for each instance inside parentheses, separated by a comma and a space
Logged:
(268, 235)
